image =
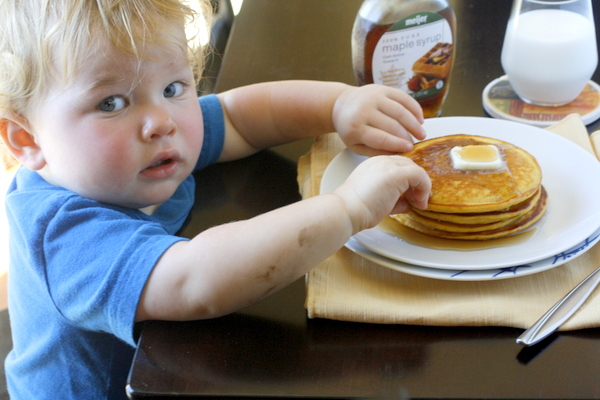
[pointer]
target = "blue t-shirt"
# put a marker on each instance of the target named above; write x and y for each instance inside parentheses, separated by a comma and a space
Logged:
(78, 268)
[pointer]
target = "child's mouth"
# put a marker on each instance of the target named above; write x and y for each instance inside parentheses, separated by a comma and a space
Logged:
(162, 167)
(159, 163)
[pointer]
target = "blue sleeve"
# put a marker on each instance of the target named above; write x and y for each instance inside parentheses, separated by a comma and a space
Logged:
(98, 261)
(214, 130)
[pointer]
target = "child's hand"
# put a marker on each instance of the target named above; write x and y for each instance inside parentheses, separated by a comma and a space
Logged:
(381, 186)
(376, 119)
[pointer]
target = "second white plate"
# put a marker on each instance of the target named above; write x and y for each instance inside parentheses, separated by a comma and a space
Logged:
(482, 274)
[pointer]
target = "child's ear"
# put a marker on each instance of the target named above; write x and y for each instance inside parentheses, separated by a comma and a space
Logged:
(16, 135)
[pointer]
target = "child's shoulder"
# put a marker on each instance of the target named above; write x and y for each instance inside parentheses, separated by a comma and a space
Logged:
(29, 189)
(32, 201)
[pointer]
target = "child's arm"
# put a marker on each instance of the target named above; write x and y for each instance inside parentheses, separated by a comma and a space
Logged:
(231, 266)
(234, 265)
(371, 119)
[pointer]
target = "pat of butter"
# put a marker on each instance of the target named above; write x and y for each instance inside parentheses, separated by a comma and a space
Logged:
(474, 157)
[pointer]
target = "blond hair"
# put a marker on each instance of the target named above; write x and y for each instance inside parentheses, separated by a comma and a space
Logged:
(43, 40)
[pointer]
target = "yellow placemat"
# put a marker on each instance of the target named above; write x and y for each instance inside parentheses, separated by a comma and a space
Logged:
(348, 287)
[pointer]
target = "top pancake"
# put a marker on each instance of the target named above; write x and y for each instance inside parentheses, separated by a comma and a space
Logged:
(476, 191)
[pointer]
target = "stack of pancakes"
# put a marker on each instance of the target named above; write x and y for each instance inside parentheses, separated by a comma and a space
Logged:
(476, 204)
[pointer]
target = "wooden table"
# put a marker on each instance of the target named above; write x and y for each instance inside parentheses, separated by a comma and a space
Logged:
(271, 349)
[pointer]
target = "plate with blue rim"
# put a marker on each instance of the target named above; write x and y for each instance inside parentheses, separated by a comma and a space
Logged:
(481, 274)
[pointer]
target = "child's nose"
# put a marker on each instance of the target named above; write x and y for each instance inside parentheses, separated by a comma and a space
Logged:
(157, 123)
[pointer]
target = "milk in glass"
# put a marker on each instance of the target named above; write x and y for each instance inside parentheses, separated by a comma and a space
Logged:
(549, 55)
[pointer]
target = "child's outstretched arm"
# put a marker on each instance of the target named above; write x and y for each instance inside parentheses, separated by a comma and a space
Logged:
(234, 265)
(371, 120)
(231, 266)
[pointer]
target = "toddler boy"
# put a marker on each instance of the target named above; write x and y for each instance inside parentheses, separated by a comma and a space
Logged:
(98, 103)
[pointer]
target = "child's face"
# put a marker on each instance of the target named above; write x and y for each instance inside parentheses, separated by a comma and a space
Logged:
(121, 135)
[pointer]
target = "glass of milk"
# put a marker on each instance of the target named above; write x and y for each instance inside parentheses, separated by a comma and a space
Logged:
(549, 51)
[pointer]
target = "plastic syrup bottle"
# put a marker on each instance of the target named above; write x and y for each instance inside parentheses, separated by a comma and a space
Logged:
(406, 44)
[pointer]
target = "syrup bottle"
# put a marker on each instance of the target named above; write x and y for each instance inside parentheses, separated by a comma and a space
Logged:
(406, 44)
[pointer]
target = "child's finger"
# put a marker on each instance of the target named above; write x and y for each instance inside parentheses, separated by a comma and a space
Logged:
(396, 120)
(405, 101)
(377, 142)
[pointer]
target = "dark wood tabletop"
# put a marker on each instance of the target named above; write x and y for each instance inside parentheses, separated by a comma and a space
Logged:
(271, 349)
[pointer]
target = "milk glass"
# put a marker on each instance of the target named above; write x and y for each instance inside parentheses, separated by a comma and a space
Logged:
(549, 51)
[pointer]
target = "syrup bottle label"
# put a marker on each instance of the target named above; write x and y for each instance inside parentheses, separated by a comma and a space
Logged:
(415, 55)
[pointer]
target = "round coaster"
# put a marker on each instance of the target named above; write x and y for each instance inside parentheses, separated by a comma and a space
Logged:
(501, 101)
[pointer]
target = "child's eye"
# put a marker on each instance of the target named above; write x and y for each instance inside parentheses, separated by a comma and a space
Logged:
(173, 89)
(112, 103)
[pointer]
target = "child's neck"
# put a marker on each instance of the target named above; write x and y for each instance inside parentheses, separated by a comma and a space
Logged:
(150, 209)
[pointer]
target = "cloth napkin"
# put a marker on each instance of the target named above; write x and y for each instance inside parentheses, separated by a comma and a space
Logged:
(348, 287)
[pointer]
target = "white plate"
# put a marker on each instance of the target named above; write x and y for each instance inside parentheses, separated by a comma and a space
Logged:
(571, 177)
(482, 274)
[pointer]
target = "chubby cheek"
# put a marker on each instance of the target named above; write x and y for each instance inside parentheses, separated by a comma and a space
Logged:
(120, 161)
(191, 130)
(112, 163)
